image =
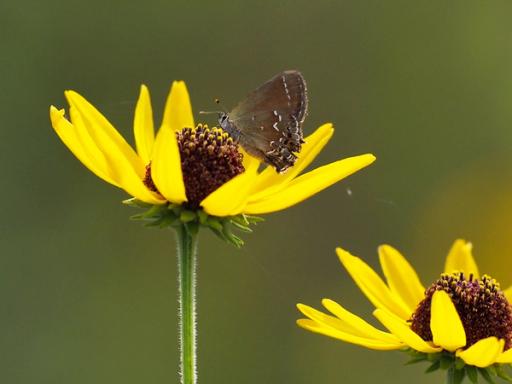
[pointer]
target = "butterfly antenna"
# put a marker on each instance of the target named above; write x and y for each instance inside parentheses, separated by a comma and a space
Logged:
(210, 112)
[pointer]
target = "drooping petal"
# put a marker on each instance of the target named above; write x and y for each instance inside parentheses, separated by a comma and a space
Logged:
(354, 324)
(178, 110)
(401, 277)
(166, 166)
(313, 326)
(329, 321)
(143, 128)
(309, 184)
(460, 258)
(483, 353)
(401, 329)
(104, 134)
(445, 324)
(94, 153)
(107, 146)
(269, 181)
(372, 285)
(230, 198)
(69, 135)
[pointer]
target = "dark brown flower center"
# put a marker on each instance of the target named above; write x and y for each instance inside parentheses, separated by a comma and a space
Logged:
(481, 305)
(209, 158)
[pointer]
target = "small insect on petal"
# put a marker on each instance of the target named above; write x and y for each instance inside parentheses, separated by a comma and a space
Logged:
(268, 122)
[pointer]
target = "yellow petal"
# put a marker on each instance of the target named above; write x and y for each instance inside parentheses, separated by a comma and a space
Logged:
(355, 325)
(372, 285)
(107, 146)
(505, 357)
(178, 110)
(143, 128)
(95, 161)
(104, 134)
(248, 161)
(445, 323)
(401, 277)
(166, 166)
(460, 258)
(401, 329)
(309, 184)
(483, 353)
(230, 198)
(329, 321)
(312, 326)
(508, 294)
(95, 152)
(269, 181)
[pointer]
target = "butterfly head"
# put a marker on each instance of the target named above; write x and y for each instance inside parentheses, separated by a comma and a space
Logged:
(223, 118)
(228, 126)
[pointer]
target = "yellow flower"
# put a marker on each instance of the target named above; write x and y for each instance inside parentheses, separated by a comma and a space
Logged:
(463, 318)
(160, 171)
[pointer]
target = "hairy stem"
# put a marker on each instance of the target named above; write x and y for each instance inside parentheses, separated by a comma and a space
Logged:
(187, 262)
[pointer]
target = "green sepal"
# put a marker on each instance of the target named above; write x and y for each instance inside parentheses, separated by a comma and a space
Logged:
(153, 211)
(219, 234)
(175, 208)
(455, 376)
(230, 236)
(456, 368)
(155, 223)
(243, 228)
(433, 367)
(492, 370)
(459, 363)
(500, 371)
(203, 217)
(134, 202)
(472, 373)
(187, 216)
(192, 227)
(446, 361)
(484, 372)
(416, 359)
(434, 356)
(214, 224)
(415, 356)
(175, 215)
(241, 219)
(253, 219)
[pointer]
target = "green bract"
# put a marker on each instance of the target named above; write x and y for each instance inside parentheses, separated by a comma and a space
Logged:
(175, 215)
(456, 369)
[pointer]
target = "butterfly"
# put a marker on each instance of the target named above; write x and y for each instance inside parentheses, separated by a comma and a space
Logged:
(268, 122)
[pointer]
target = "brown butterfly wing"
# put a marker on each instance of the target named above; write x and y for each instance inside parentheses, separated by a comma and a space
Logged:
(269, 120)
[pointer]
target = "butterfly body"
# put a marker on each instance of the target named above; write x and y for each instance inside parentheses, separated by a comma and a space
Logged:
(268, 122)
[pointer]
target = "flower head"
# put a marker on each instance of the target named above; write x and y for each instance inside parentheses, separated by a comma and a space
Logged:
(462, 322)
(191, 173)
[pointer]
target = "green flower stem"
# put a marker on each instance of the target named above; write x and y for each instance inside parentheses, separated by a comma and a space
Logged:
(187, 261)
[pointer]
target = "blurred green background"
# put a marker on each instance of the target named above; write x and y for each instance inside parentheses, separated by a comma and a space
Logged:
(87, 296)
